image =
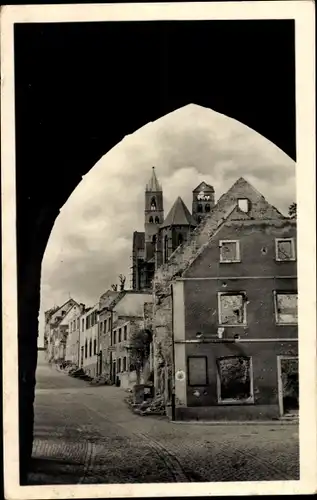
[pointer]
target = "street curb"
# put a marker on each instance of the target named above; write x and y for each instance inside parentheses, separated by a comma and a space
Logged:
(235, 422)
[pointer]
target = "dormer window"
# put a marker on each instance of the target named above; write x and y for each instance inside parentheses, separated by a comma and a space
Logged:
(244, 205)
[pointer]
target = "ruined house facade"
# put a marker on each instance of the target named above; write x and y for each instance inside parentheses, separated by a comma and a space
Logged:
(225, 313)
(56, 329)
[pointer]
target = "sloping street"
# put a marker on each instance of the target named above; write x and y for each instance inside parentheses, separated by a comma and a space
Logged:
(87, 434)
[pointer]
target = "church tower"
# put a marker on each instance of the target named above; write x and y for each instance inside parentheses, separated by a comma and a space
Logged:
(153, 215)
(203, 201)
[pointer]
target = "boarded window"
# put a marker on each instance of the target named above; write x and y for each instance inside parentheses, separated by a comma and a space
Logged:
(285, 249)
(229, 251)
(232, 309)
(286, 308)
(234, 379)
(197, 370)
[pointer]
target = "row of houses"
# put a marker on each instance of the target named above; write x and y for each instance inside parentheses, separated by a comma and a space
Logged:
(211, 317)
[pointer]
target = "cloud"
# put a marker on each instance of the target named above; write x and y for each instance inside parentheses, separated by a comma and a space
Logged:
(91, 241)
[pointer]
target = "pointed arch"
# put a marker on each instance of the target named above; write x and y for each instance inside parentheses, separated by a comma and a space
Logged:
(151, 220)
(199, 208)
(157, 220)
(153, 203)
(207, 207)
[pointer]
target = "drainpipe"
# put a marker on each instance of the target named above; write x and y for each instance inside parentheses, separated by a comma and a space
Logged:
(173, 359)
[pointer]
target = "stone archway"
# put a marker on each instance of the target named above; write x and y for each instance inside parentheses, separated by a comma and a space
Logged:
(61, 133)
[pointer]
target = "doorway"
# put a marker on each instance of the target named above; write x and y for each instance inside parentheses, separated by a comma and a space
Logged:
(288, 384)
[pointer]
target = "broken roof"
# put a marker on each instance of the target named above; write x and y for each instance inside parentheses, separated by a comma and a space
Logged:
(203, 186)
(179, 215)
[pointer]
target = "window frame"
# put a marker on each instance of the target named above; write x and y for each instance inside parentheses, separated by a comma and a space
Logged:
(283, 292)
(248, 401)
(206, 371)
(245, 322)
(238, 254)
(292, 240)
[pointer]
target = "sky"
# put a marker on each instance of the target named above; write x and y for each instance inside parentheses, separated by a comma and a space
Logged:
(91, 241)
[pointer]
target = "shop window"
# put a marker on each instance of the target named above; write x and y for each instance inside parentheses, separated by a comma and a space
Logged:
(284, 249)
(197, 370)
(286, 308)
(232, 308)
(229, 251)
(234, 379)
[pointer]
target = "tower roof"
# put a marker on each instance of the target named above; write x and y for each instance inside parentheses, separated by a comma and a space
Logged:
(203, 186)
(153, 184)
(179, 215)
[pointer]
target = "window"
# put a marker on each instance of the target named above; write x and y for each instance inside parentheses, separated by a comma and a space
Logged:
(153, 204)
(197, 370)
(154, 239)
(83, 324)
(87, 322)
(284, 249)
(232, 308)
(229, 251)
(119, 365)
(124, 364)
(234, 379)
(244, 204)
(101, 326)
(86, 349)
(77, 323)
(151, 220)
(180, 239)
(125, 332)
(207, 207)
(114, 337)
(286, 308)
(199, 208)
(165, 248)
(157, 220)
(90, 348)
(119, 335)
(95, 346)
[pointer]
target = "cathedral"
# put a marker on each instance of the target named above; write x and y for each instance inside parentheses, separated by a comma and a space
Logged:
(161, 236)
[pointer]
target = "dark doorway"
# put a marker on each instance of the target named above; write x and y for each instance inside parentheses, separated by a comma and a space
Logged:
(289, 385)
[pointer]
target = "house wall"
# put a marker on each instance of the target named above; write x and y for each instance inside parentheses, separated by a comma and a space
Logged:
(90, 333)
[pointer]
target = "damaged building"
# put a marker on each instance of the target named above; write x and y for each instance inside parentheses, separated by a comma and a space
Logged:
(225, 314)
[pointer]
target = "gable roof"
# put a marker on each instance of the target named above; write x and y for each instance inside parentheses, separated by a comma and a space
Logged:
(153, 184)
(203, 186)
(179, 215)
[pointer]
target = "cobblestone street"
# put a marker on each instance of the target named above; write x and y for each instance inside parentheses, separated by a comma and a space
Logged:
(86, 434)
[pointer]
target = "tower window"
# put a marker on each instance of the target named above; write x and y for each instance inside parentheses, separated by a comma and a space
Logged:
(157, 220)
(207, 207)
(153, 204)
(154, 239)
(199, 208)
(151, 220)
(165, 248)
(180, 239)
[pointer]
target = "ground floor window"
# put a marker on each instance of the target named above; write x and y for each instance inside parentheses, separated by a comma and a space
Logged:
(197, 370)
(235, 384)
